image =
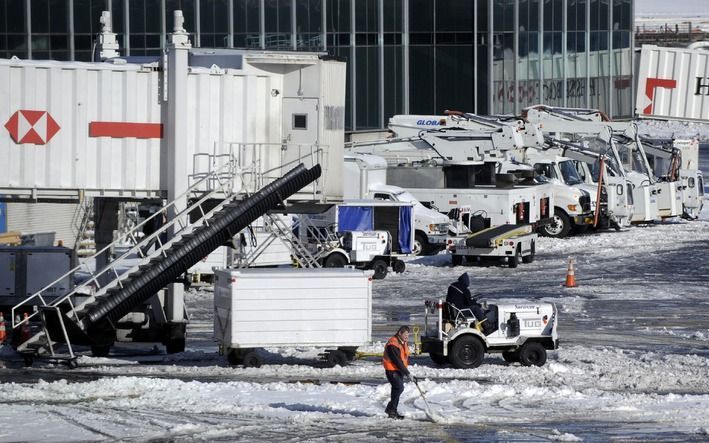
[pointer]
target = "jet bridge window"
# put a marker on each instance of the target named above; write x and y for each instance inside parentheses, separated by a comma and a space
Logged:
(300, 121)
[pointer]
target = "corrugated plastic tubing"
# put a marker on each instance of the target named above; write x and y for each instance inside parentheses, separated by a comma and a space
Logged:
(146, 282)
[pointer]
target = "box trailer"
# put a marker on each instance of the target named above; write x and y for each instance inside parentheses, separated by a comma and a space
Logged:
(324, 308)
(673, 83)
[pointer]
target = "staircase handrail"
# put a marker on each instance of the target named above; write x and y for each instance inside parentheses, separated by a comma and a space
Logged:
(213, 175)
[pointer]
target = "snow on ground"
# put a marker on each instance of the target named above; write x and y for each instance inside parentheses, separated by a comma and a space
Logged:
(633, 363)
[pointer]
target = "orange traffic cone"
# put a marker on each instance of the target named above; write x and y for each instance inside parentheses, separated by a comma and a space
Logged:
(25, 331)
(3, 332)
(570, 276)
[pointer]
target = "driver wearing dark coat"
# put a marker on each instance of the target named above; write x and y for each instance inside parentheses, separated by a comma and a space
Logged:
(460, 297)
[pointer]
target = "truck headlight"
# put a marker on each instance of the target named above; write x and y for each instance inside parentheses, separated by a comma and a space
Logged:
(571, 208)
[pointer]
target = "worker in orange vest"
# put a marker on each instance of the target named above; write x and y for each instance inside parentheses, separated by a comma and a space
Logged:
(396, 362)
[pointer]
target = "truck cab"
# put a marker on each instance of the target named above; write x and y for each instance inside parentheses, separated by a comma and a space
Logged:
(574, 200)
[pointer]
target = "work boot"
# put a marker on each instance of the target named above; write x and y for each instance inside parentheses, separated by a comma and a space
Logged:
(395, 415)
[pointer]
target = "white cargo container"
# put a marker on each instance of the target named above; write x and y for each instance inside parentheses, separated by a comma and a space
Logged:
(256, 308)
(673, 83)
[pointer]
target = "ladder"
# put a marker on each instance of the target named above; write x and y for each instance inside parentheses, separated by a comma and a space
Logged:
(216, 184)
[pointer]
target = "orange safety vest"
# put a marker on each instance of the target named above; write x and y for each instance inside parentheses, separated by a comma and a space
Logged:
(403, 351)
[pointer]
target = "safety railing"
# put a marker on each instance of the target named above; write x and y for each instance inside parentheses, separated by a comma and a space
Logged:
(113, 272)
(259, 164)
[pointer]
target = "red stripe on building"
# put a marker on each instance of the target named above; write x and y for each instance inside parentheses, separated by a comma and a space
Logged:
(125, 130)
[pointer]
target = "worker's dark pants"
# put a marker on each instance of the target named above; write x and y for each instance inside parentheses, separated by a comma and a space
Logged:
(397, 387)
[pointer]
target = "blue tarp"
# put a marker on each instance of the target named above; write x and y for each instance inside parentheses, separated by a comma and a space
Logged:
(405, 213)
(355, 218)
(3, 217)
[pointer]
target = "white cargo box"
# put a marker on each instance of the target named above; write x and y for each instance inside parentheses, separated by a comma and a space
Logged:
(292, 307)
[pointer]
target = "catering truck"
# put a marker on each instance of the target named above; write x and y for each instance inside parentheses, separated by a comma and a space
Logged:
(367, 234)
(365, 178)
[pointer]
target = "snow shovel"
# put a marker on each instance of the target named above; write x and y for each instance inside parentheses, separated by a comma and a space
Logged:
(428, 411)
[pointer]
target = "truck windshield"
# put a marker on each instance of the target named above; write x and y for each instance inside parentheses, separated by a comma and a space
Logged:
(569, 172)
(407, 197)
(544, 169)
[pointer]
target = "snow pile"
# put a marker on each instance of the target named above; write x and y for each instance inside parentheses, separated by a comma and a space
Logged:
(674, 129)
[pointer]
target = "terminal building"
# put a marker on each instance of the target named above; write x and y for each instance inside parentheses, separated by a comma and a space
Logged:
(404, 56)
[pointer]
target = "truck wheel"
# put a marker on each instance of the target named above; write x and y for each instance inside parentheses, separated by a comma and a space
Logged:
(438, 359)
(511, 356)
(529, 258)
(532, 353)
(467, 352)
(559, 226)
(336, 358)
(513, 260)
(335, 260)
(398, 266)
(252, 360)
(420, 244)
(457, 260)
(380, 269)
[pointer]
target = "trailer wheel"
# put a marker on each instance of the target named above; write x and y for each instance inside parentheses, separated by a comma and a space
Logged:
(398, 266)
(438, 359)
(511, 356)
(349, 351)
(380, 269)
(252, 360)
(559, 226)
(234, 357)
(100, 350)
(514, 260)
(336, 358)
(529, 258)
(532, 353)
(335, 260)
(28, 359)
(457, 260)
(467, 352)
(175, 345)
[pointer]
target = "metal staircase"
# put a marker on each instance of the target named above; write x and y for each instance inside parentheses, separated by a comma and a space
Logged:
(278, 229)
(88, 314)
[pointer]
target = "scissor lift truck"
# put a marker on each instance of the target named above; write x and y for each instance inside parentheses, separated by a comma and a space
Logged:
(522, 331)
(512, 243)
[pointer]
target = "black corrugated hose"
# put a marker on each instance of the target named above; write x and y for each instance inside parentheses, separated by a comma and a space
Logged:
(184, 254)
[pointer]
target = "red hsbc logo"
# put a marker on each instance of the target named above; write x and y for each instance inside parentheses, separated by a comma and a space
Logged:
(651, 84)
(36, 127)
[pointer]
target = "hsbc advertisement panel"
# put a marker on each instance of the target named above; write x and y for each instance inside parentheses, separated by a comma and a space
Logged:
(673, 83)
